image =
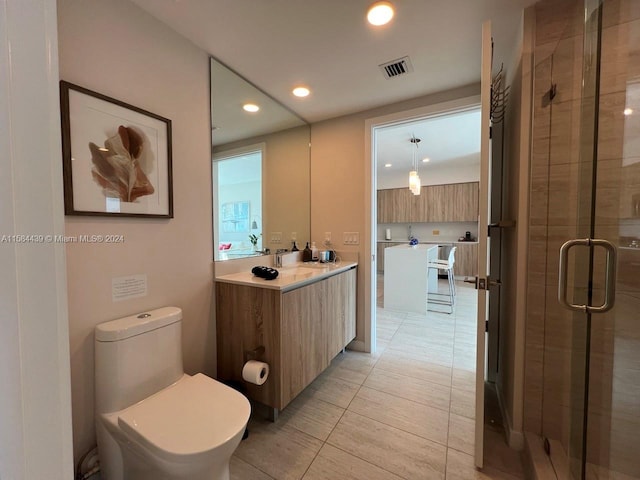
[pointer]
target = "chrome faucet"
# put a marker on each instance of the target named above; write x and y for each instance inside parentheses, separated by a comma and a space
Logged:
(409, 237)
(278, 259)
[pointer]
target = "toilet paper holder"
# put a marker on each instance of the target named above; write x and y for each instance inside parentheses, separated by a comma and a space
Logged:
(254, 354)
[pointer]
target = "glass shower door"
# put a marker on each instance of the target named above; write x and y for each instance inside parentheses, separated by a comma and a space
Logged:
(592, 343)
(613, 415)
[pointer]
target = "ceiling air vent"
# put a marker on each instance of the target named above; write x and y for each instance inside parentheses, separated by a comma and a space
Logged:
(395, 68)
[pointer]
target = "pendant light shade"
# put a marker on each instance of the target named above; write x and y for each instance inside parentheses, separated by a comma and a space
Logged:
(415, 184)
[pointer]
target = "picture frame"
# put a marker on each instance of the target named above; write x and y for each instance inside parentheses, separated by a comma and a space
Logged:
(117, 158)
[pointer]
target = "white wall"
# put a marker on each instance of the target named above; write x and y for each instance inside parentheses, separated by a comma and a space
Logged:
(35, 415)
(115, 48)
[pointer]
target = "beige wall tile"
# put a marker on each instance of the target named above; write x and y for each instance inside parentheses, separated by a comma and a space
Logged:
(620, 59)
(557, 19)
(611, 126)
(620, 11)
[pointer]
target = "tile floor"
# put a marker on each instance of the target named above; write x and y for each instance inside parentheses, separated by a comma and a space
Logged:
(405, 412)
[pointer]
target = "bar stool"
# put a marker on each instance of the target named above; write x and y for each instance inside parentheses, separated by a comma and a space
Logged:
(448, 266)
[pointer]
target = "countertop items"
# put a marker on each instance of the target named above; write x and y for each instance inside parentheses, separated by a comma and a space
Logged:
(290, 277)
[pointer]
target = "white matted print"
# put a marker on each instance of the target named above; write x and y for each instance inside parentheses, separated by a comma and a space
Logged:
(117, 157)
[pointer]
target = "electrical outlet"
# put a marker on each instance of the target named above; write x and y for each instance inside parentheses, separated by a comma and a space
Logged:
(327, 237)
(435, 232)
(276, 237)
(351, 238)
(294, 236)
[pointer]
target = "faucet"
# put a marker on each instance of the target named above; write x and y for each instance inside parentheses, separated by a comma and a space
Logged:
(409, 237)
(278, 257)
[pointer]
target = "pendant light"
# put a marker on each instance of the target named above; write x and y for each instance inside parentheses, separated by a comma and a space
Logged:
(415, 183)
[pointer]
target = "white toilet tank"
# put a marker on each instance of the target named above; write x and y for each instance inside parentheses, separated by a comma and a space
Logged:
(137, 356)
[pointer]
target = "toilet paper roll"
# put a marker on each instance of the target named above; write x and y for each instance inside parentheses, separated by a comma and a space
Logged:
(255, 372)
(387, 234)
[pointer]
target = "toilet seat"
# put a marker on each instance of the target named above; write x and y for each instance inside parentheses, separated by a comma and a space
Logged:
(189, 418)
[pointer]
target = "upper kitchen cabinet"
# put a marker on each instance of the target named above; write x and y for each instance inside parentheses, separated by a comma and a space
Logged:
(457, 202)
(394, 205)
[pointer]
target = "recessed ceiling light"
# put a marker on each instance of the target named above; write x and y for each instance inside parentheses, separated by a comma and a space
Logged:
(301, 91)
(250, 107)
(387, 165)
(380, 13)
(627, 111)
(425, 159)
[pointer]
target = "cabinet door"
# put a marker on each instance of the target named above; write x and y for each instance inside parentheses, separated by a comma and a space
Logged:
(435, 198)
(466, 260)
(466, 202)
(340, 315)
(385, 206)
(304, 351)
(247, 318)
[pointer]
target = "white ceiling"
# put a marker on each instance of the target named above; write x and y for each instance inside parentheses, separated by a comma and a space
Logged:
(449, 141)
(329, 46)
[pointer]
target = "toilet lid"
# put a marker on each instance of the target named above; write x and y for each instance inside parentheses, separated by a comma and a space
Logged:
(192, 416)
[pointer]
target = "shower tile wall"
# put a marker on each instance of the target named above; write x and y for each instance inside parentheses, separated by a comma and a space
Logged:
(555, 197)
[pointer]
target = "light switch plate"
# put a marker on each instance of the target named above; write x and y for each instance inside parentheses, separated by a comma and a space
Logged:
(351, 238)
(276, 237)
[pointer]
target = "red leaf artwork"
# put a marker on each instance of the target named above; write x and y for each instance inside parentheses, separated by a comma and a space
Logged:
(117, 166)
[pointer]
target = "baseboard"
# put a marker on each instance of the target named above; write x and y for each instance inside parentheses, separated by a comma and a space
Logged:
(357, 345)
(515, 439)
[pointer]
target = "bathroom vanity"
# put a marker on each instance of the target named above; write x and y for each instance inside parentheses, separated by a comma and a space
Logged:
(303, 319)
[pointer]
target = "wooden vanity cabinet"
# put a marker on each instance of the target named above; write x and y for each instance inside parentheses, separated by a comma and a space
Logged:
(301, 329)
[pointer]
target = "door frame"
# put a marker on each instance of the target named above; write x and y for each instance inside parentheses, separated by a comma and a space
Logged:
(370, 191)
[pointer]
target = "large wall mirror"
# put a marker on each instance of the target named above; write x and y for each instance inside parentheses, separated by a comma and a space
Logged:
(260, 168)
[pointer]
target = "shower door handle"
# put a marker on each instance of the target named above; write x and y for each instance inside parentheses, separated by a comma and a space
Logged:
(610, 275)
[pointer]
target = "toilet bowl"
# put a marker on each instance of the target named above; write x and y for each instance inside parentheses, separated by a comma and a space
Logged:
(153, 421)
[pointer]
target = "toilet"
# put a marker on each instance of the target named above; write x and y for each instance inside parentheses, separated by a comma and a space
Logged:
(153, 421)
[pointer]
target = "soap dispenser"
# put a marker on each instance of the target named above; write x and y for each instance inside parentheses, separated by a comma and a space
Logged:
(314, 252)
(306, 254)
(294, 247)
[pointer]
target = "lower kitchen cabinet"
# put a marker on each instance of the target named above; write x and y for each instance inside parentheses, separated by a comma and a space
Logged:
(466, 260)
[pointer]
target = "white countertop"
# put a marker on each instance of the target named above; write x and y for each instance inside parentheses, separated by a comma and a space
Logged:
(431, 242)
(290, 277)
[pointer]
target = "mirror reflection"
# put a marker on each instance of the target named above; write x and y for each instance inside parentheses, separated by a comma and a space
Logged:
(261, 170)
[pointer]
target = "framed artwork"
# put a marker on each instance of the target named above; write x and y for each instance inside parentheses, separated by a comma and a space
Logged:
(116, 157)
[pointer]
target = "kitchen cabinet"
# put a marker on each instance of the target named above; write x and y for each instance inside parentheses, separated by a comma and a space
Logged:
(466, 260)
(457, 202)
(394, 205)
(301, 330)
